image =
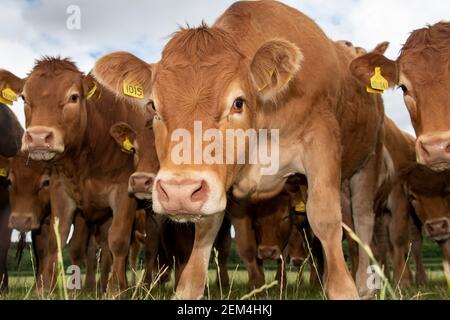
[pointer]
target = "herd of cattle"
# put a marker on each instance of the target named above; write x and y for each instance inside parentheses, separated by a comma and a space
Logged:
(97, 156)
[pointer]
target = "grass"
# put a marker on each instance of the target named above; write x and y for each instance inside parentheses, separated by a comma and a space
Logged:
(297, 288)
(21, 283)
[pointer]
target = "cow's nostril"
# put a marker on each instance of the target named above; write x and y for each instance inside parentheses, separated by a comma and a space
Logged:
(447, 149)
(49, 138)
(424, 149)
(28, 137)
(163, 196)
(148, 182)
(201, 192)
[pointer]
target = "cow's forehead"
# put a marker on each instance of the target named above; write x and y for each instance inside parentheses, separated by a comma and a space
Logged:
(191, 87)
(54, 83)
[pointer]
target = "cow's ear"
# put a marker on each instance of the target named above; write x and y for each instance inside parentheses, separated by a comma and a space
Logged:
(10, 87)
(274, 66)
(381, 48)
(90, 87)
(124, 136)
(126, 75)
(363, 68)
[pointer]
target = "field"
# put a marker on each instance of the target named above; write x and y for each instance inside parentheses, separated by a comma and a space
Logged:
(21, 283)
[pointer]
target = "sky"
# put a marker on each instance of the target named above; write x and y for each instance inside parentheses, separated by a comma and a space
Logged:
(30, 29)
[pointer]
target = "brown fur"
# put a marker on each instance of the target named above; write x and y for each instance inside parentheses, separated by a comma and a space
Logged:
(322, 111)
(91, 167)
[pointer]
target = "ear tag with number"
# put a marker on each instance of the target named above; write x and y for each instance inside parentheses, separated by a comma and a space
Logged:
(134, 90)
(300, 207)
(8, 96)
(127, 146)
(378, 83)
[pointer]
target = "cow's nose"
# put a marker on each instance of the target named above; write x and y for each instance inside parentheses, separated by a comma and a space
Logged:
(141, 182)
(269, 252)
(438, 229)
(433, 149)
(184, 196)
(20, 222)
(297, 261)
(39, 139)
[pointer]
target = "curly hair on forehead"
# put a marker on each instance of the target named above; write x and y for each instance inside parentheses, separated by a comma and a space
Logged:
(54, 64)
(195, 44)
(431, 40)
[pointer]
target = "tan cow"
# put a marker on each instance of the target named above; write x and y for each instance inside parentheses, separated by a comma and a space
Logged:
(248, 71)
(68, 118)
(422, 72)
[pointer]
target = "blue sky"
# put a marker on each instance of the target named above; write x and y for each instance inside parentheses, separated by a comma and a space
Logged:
(30, 29)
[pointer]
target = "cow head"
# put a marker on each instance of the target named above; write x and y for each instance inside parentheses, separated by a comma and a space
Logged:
(203, 82)
(429, 194)
(273, 226)
(55, 94)
(141, 146)
(29, 193)
(422, 72)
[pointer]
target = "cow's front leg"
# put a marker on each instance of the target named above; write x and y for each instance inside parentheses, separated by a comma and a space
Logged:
(119, 238)
(63, 208)
(238, 211)
(322, 163)
(363, 189)
(399, 235)
(191, 285)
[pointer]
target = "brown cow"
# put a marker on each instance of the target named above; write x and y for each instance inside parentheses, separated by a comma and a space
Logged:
(422, 72)
(68, 117)
(410, 189)
(30, 211)
(233, 76)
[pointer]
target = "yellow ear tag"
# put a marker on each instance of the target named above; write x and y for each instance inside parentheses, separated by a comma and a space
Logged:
(92, 91)
(3, 172)
(300, 207)
(134, 90)
(127, 146)
(378, 83)
(8, 96)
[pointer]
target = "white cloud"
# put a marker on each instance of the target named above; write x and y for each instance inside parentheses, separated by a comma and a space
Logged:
(32, 28)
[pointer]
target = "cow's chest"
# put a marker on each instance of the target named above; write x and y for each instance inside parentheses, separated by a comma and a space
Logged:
(97, 194)
(254, 183)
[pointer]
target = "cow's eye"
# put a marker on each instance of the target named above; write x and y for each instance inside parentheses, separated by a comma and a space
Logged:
(238, 105)
(74, 98)
(23, 98)
(404, 89)
(45, 183)
(152, 105)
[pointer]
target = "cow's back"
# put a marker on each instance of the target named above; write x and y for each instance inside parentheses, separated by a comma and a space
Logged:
(10, 132)
(324, 76)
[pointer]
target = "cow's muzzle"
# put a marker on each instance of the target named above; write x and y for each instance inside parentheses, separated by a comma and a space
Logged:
(433, 150)
(140, 185)
(438, 229)
(269, 252)
(42, 143)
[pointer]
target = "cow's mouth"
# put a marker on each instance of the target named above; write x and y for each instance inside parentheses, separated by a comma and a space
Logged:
(440, 237)
(186, 218)
(440, 166)
(142, 195)
(42, 155)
